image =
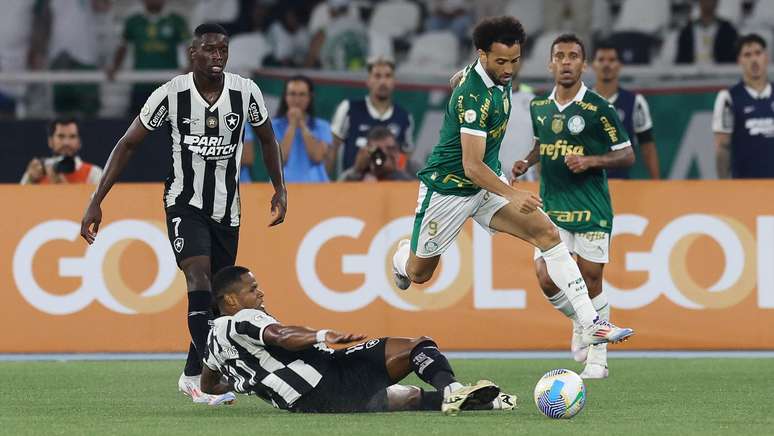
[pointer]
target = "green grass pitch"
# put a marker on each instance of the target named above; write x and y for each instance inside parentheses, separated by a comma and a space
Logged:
(644, 396)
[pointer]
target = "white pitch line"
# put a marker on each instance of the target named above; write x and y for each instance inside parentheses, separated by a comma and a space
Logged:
(68, 357)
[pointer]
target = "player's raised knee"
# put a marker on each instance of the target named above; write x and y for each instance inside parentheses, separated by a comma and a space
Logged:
(547, 236)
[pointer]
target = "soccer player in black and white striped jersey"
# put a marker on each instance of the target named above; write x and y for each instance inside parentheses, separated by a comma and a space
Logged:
(292, 368)
(206, 110)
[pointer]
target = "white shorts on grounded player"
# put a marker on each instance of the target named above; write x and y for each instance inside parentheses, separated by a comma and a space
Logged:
(439, 218)
(592, 246)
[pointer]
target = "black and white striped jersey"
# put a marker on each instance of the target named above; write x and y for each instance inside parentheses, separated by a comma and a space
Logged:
(236, 349)
(206, 141)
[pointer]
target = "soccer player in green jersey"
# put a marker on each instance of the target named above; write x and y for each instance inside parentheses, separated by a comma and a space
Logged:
(463, 179)
(577, 136)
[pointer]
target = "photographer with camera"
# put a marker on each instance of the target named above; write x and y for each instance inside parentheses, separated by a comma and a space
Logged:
(64, 166)
(378, 160)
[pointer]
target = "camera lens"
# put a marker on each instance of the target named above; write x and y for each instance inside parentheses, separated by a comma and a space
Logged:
(66, 165)
(378, 158)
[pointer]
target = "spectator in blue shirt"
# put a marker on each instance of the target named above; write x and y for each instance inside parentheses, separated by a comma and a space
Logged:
(304, 138)
(248, 159)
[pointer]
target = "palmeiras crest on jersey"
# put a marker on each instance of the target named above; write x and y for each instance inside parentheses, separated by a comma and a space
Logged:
(232, 120)
(576, 124)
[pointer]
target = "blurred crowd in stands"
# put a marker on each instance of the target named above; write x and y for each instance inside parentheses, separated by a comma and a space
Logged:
(383, 37)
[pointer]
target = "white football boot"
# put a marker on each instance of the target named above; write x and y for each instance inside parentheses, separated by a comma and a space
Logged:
(458, 399)
(402, 282)
(602, 332)
(189, 385)
(505, 402)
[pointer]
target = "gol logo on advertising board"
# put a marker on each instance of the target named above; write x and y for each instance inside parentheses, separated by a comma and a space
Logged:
(469, 263)
(99, 269)
(667, 262)
(466, 263)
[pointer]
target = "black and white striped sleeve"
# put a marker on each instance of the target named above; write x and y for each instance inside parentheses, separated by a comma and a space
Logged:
(642, 119)
(211, 353)
(722, 113)
(257, 113)
(250, 324)
(155, 111)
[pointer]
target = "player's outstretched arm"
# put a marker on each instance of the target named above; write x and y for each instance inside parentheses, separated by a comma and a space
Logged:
(119, 157)
(211, 382)
(473, 148)
(295, 338)
(272, 157)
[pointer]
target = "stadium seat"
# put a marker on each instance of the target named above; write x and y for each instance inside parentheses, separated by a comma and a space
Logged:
(539, 55)
(432, 52)
(529, 12)
(642, 16)
(247, 51)
(762, 14)
(215, 11)
(666, 55)
(395, 18)
(380, 45)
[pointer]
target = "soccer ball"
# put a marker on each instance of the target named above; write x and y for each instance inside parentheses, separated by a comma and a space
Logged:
(560, 393)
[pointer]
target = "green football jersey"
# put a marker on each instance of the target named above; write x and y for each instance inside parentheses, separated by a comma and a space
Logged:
(477, 106)
(588, 125)
(155, 40)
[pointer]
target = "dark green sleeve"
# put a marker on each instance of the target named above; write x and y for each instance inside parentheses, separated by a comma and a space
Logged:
(532, 118)
(182, 29)
(612, 132)
(130, 26)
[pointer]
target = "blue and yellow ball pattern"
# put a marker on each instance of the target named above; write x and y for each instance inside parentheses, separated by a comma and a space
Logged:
(560, 394)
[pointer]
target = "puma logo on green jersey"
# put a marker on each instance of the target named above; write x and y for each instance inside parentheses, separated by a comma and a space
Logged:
(560, 148)
(541, 120)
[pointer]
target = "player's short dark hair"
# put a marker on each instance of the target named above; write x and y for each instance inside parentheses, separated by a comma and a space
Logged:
(379, 60)
(62, 121)
(223, 281)
(205, 28)
(603, 45)
(379, 132)
(568, 37)
(750, 38)
(504, 29)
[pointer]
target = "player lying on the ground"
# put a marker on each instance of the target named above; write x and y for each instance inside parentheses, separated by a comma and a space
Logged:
(292, 367)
